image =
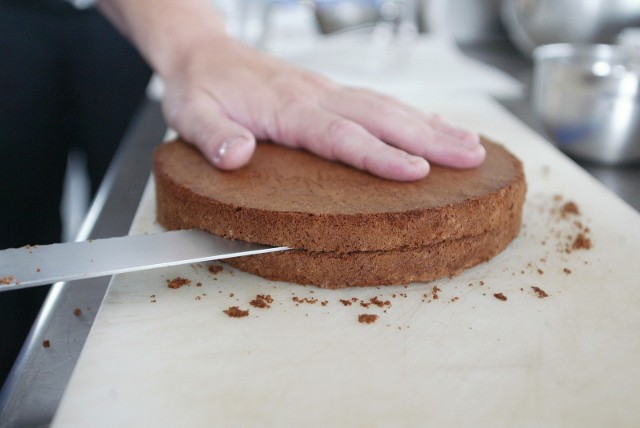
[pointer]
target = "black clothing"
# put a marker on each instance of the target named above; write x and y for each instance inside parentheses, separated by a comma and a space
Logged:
(67, 80)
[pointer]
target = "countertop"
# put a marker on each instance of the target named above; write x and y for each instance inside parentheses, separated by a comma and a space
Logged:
(32, 393)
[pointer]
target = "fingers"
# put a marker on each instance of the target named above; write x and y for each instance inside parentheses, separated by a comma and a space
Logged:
(336, 138)
(358, 127)
(201, 121)
(408, 128)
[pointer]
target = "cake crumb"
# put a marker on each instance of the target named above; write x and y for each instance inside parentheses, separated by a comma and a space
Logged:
(262, 301)
(236, 312)
(435, 291)
(567, 271)
(6, 280)
(304, 300)
(379, 303)
(77, 312)
(345, 302)
(367, 318)
(540, 292)
(215, 269)
(178, 282)
(569, 208)
(46, 343)
(581, 243)
(500, 296)
(540, 271)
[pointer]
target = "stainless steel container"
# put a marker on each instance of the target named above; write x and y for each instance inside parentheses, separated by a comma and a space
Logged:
(532, 23)
(587, 97)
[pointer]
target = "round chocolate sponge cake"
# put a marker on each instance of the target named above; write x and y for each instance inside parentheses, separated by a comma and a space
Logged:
(347, 227)
(288, 197)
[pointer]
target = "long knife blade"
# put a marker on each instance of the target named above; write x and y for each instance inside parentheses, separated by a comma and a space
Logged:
(46, 264)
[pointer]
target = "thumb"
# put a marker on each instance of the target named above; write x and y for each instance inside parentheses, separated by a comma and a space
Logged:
(225, 143)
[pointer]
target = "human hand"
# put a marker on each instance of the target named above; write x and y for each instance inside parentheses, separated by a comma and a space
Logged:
(223, 97)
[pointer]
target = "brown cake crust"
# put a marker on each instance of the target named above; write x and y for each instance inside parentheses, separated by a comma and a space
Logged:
(372, 268)
(292, 198)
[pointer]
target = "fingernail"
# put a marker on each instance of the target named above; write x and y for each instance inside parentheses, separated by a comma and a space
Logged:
(470, 141)
(417, 162)
(224, 148)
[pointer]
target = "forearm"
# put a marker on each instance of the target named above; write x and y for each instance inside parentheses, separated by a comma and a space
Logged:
(165, 31)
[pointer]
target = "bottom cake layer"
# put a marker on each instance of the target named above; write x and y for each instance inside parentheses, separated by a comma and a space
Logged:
(371, 268)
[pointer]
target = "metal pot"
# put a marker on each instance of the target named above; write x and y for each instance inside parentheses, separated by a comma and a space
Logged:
(587, 97)
(531, 23)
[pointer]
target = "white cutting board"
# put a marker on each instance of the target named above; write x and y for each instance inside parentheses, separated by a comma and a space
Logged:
(571, 359)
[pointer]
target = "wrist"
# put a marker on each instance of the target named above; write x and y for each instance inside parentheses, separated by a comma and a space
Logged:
(167, 32)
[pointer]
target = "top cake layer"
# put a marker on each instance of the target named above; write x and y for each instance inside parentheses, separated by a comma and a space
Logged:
(293, 198)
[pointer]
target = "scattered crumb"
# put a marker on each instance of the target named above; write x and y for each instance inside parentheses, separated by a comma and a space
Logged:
(46, 343)
(178, 282)
(540, 292)
(236, 312)
(379, 303)
(77, 312)
(435, 291)
(569, 208)
(567, 271)
(540, 271)
(262, 301)
(198, 284)
(581, 243)
(367, 318)
(304, 300)
(345, 302)
(500, 296)
(215, 269)
(37, 269)
(6, 280)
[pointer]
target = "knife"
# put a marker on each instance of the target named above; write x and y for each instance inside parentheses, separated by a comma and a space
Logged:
(46, 264)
